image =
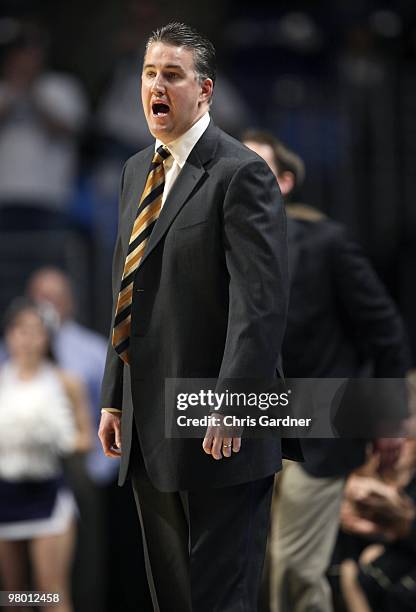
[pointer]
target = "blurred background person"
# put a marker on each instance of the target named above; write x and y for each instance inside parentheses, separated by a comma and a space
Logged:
(339, 317)
(100, 579)
(77, 349)
(381, 514)
(42, 416)
(42, 113)
(98, 575)
(82, 352)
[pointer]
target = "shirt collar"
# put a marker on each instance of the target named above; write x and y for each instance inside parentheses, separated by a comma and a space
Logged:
(182, 146)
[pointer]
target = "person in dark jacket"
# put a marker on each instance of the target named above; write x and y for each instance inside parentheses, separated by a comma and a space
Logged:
(340, 318)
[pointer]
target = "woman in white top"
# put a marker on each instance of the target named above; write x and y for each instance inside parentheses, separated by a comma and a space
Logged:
(43, 416)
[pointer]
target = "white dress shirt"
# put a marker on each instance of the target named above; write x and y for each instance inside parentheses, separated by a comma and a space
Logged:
(180, 150)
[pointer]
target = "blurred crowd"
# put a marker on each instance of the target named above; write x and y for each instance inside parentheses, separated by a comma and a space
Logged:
(63, 521)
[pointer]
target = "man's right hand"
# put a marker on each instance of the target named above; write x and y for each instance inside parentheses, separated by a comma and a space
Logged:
(109, 433)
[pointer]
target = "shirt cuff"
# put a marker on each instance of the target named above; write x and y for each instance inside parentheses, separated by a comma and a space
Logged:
(111, 410)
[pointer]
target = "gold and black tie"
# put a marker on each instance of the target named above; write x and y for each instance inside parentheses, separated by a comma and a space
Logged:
(146, 217)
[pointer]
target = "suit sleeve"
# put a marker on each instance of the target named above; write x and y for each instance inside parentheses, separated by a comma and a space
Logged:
(255, 245)
(376, 322)
(112, 385)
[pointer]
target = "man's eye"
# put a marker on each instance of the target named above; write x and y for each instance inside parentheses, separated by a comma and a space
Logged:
(150, 74)
(172, 76)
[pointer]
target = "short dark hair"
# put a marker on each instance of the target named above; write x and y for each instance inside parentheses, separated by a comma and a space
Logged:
(181, 35)
(285, 159)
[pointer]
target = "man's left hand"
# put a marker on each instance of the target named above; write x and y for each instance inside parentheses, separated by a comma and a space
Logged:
(220, 441)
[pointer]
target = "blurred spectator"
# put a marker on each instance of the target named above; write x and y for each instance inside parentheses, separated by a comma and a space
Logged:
(82, 352)
(384, 513)
(78, 350)
(93, 477)
(338, 314)
(41, 114)
(42, 416)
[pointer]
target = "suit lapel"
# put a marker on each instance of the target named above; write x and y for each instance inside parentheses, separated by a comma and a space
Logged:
(141, 171)
(187, 181)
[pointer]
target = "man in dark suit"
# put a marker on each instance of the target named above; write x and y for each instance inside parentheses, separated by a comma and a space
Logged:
(201, 288)
(340, 318)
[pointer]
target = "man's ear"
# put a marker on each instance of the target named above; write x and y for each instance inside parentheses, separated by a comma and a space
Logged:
(207, 87)
(286, 182)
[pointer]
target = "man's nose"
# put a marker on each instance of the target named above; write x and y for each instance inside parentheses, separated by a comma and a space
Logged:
(158, 86)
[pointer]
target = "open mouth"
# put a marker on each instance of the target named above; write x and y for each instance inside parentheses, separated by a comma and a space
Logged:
(159, 109)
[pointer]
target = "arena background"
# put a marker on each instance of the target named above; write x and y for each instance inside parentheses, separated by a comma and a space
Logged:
(336, 80)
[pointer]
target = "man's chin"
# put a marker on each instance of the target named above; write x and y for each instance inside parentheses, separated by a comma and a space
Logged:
(161, 132)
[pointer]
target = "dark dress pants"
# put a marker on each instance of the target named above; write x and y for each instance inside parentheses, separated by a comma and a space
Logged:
(204, 548)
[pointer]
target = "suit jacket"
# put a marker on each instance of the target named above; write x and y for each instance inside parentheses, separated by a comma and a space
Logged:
(209, 301)
(340, 318)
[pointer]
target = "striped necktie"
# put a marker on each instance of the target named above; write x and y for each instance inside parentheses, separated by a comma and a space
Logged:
(146, 217)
